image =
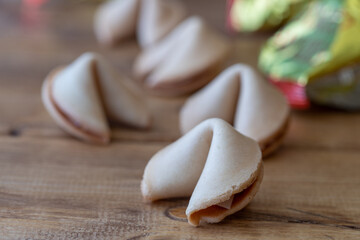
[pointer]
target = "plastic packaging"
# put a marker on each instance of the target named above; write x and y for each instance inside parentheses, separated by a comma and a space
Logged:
(316, 56)
(258, 15)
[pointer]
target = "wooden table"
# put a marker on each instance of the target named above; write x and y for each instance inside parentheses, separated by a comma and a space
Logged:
(55, 187)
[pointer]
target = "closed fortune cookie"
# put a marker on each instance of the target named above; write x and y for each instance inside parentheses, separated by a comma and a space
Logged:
(242, 98)
(84, 95)
(184, 61)
(149, 20)
(219, 168)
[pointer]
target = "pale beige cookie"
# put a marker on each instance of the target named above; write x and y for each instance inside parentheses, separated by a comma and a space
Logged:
(184, 60)
(242, 98)
(83, 96)
(157, 18)
(217, 166)
(116, 20)
(150, 20)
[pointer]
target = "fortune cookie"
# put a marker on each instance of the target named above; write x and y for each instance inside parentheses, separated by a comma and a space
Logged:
(150, 20)
(216, 166)
(184, 61)
(241, 97)
(84, 95)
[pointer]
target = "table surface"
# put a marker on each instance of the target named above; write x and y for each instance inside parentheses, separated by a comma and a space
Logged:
(55, 187)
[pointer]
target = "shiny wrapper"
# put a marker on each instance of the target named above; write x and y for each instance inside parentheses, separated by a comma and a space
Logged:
(316, 56)
(258, 15)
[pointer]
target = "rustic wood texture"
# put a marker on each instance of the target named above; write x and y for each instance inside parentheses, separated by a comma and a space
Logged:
(55, 187)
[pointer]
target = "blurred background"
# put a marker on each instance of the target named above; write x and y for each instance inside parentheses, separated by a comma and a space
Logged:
(38, 35)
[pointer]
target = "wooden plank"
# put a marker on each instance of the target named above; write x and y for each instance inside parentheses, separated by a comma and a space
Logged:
(320, 128)
(308, 129)
(31, 119)
(51, 189)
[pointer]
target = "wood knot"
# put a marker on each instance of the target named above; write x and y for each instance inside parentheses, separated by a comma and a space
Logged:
(176, 213)
(14, 132)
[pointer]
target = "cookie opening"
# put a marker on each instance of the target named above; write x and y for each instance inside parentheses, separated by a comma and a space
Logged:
(216, 213)
(176, 87)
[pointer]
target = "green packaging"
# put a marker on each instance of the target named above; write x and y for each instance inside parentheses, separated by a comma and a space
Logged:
(257, 15)
(316, 56)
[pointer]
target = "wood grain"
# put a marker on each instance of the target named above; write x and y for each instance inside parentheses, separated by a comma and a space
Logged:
(95, 191)
(55, 187)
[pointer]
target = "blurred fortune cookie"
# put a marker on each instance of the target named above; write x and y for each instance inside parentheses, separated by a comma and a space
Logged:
(84, 95)
(217, 166)
(184, 61)
(149, 20)
(242, 98)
